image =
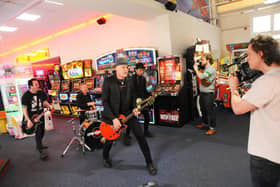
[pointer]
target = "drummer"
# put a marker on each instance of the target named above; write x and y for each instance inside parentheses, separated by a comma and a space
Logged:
(84, 102)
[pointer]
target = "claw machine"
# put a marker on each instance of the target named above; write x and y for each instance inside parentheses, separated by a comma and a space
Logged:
(14, 82)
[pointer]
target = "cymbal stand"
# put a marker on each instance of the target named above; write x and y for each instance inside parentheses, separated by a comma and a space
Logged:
(77, 137)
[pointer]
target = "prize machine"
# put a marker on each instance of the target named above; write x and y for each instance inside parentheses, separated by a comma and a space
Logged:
(76, 84)
(104, 66)
(63, 97)
(14, 82)
(43, 71)
(171, 105)
(148, 57)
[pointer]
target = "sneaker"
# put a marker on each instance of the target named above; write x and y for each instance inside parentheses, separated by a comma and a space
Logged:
(211, 132)
(107, 163)
(152, 170)
(43, 155)
(202, 127)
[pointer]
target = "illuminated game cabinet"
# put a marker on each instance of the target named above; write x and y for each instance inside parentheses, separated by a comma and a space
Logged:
(171, 105)
(14, 83)
(63, 97)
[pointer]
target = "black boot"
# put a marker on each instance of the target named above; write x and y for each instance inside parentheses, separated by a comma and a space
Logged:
(152, 169)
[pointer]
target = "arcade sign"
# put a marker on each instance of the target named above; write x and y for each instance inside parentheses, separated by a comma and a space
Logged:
(169, 116)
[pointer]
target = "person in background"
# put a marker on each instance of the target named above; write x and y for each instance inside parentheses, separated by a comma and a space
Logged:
(263, 101)
(84, 102)
(118, 98)
(207, 76)
(33, 102)
(141, 92)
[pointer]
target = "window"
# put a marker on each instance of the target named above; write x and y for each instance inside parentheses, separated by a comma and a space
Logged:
(262, 23)
(276, 22)
(266, 24)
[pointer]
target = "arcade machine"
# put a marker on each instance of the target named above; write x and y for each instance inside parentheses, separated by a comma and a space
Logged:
(104, 66)
(14, 82)
(171, 105)
(76, 84)
(64, 98)
(43, 70)
(147, 56)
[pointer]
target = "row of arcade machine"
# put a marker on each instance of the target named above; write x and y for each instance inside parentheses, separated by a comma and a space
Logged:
(165, 76)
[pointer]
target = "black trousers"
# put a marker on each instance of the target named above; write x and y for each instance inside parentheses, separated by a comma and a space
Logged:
(264, 173)
(138, 132)
(146, 115)
(39, 134)
(207, 108)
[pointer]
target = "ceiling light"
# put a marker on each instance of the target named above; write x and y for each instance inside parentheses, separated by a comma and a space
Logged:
(7, 29)
(53, 2)
(28, 17)
(270, 1)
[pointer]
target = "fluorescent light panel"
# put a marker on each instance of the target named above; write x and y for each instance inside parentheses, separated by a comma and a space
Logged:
(54, 2)
(270, 1)
(7, 29)
(28, 17)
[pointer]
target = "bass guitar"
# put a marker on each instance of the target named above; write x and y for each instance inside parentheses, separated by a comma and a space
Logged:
(35, 120)
(108, 131)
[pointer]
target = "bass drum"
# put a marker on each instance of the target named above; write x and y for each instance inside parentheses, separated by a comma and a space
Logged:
(91, 134)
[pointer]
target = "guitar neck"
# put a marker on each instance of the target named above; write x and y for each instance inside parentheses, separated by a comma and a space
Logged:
(132, 114)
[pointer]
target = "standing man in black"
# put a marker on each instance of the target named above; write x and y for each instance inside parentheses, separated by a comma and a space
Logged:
(33, 101)
(118, 98)
(141, 92)
(84, 102)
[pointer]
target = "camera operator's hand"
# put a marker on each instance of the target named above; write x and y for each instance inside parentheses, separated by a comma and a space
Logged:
(195, 66)
(233, 82)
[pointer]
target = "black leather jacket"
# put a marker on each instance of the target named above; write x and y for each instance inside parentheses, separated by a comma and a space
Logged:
(140, 87)
(111, 98)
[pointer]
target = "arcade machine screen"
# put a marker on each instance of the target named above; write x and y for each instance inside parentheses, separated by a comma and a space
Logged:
(76, 84)
(73, 97)
(65, 85)
(105, 62)
(169, 71)
(89, 83)
(64, 98)
(87, 68)
(12, 99)
(73, 70)
(151, 80)
(99, 79)
(73, 100)
(147, 56)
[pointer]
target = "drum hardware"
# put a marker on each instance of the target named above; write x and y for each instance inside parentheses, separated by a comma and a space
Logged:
(77, 137)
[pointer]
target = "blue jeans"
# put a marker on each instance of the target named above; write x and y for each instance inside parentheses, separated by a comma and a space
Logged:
(264, 173)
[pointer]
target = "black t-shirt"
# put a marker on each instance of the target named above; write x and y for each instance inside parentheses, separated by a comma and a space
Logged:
(34, 102)
(82, 101)
(123, 96)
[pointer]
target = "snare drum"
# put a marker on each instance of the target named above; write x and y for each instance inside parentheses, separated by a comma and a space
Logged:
(91, 115)
(91, 134)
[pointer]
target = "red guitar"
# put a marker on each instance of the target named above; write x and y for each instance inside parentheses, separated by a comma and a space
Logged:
(108, 131)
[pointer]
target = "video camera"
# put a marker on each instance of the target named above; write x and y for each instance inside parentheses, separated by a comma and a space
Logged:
(243, 72)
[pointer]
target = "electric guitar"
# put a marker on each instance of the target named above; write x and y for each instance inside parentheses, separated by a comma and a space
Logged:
(108, 131)
(35, 120)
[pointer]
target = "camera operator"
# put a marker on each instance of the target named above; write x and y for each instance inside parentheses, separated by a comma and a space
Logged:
(207, 75)
(263, 101)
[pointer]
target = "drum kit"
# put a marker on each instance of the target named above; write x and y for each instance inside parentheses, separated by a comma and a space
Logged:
(88, 134)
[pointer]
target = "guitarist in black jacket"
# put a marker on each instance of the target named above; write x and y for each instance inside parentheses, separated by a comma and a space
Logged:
(33, 101)
(141, 92)
(118, 98)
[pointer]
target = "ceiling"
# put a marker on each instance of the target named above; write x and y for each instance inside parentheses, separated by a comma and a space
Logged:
(55, 18)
